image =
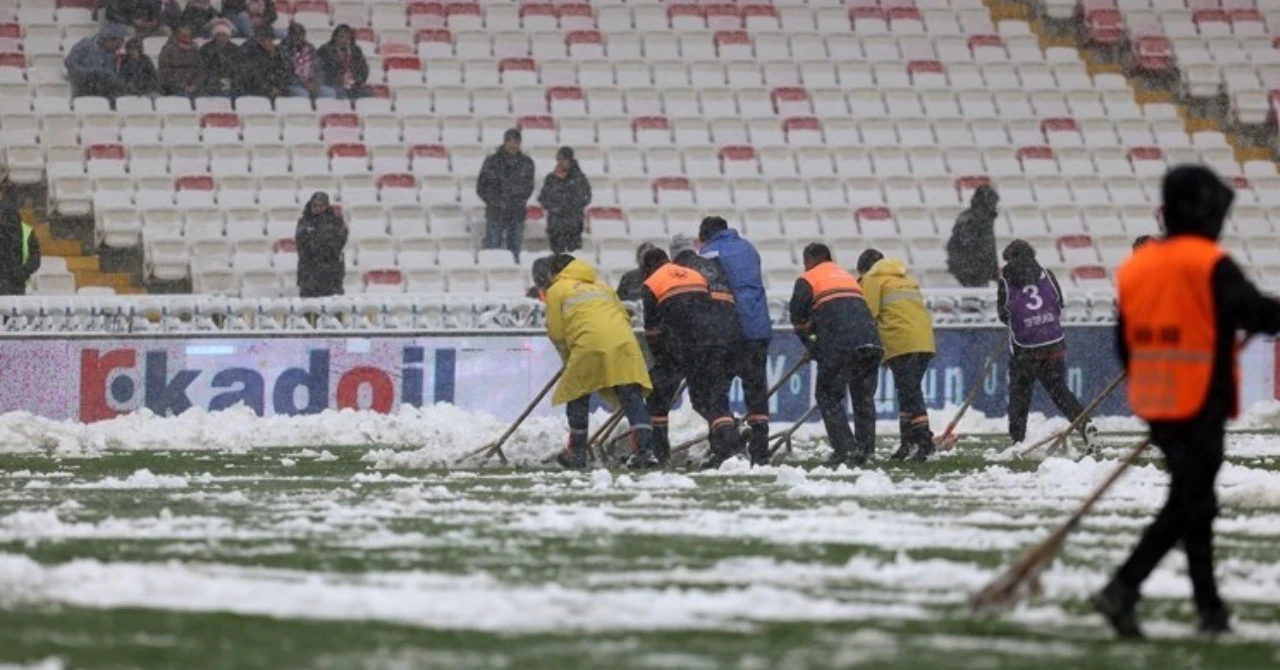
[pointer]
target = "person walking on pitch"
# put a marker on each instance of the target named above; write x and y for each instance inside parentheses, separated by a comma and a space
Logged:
(1181, 301)
(906, 330)
(592, 331)
(1029, 301)
(831, 317)
(690, 343)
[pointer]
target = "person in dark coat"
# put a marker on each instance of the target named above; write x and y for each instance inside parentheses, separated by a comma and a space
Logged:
(19, 251)
(137, 71)
(91, 63)
(181, 65)
(688, 343)
(971, 251)
(145, 17)
(263, 68)
(199, 16)
(1029, 301)
(320, 237)
(1183, 382)
(250, 16)
(632, 281)
(565, 195)
(505, 184)
(304, 65)
(832, 320)
(343, 67)
(220, 61)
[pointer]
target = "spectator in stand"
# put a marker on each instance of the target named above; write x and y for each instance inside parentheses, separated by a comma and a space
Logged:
(343, 67)
(91, 63)
(263, 68)
(1142, 241)
(565, 195)
(304, 65)
(250, 16)
(200, 16)
(505, 185)
(631, 283)
(220, 61)
(320, 237)
(181, 67)
(137, 71)
(19, 251)
(143, 16)
(971, 251)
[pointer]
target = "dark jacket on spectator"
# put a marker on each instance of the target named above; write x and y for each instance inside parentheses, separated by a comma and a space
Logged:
(197, 17)
(971, 251)
(332, 67)
(181, 69)
(262, 72)
(565, 199)
(139, 75)
(505, 184)
(13, 272)
(221, 67)
(320, 239)
(126, 12)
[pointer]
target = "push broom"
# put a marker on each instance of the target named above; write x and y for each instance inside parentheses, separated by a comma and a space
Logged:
(949, 439)
(496, 447)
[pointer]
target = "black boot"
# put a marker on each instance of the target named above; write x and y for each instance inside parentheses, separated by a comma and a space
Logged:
(661, 443)
(576, 455)
(1215, 623)
(905, 449)
(922, 438)
(759, 444)
(724, 445)
(1118, 603)
(642, 455)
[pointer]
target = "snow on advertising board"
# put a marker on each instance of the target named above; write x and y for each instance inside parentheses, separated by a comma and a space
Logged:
(95, 379)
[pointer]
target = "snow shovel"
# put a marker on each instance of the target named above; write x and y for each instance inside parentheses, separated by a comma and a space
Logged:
(1057, 439)
(689, 444)
(496, 447)
(948, 439)
(783, 438)
(607, 449)
(1023, 577)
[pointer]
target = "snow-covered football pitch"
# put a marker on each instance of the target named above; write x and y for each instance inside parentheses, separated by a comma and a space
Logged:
(345, 541)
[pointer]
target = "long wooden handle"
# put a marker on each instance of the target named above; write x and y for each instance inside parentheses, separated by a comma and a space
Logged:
(1107, 483)
(497, 446)
(973, 392)
(1058, 437)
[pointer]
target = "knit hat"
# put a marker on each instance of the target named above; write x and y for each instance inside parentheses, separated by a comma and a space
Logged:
(222, 27)
(564, 153)
(1196, 201)
(680, 243)
(113, 31)
(512, 135)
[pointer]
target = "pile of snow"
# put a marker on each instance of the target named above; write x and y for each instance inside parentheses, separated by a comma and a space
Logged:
(140, 479)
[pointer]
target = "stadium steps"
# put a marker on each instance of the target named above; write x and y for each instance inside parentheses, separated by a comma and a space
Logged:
(86, 267)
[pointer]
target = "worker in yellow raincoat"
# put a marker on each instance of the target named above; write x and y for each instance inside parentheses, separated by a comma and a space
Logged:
(592, 331)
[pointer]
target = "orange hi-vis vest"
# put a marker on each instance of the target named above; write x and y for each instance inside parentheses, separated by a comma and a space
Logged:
(1170, 328)
(672, 280)
(831, 282)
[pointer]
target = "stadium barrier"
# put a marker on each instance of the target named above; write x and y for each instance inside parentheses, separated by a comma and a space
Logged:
(91, 377)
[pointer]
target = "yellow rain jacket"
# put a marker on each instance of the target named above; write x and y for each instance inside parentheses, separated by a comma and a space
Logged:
(894, 297)
(592, 331)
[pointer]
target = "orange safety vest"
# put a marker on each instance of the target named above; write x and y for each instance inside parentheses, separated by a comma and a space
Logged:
(1170, 328)
(831, 282)
(671, 280)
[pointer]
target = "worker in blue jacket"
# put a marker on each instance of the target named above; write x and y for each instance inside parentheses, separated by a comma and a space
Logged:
(741, 263)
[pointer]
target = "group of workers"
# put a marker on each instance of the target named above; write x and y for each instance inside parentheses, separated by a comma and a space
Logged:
(1181, 301)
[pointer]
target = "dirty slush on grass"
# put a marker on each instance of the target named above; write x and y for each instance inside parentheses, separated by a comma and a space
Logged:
(295, 559)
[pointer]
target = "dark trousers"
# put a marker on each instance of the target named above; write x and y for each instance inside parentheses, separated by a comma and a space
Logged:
(1050, 369)
(750, 363)
(504, 233)
(1193, 451)
(564, 237)
(853, 371)
(908, 380)
(706, 369)
(633, 407)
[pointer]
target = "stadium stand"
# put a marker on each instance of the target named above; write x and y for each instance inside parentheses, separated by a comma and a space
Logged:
(861, 122)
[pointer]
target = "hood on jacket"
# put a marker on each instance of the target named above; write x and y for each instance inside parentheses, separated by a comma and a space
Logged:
(328, 207)
(888, 267)
(1022, 269)
(985, 198)
(576, 270)
(1196, 202)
